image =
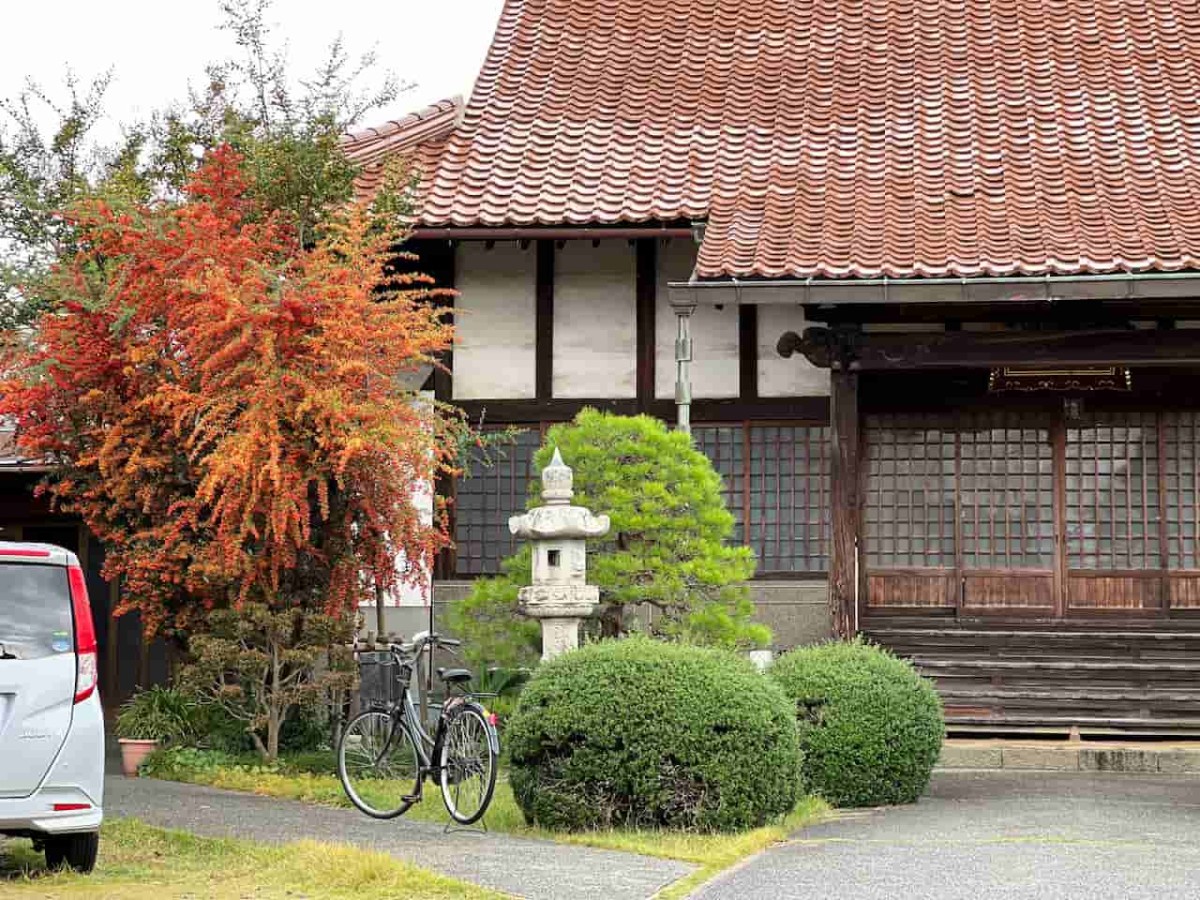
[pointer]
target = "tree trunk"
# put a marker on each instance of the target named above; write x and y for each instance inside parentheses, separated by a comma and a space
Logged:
(380, 618)
(612, 621)
(274, 716)
(274, 723)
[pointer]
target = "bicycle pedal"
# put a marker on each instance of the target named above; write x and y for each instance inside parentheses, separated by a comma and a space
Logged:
(412, 798)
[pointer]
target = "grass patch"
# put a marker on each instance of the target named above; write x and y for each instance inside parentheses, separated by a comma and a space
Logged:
(310, 779)
(138, 862)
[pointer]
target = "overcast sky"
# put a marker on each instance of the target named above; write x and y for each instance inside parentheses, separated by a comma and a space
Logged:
(154, 47)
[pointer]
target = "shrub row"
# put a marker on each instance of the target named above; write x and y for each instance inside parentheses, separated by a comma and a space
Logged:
(636, 733)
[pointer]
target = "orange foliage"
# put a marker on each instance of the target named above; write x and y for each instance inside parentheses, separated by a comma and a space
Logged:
(225, 405)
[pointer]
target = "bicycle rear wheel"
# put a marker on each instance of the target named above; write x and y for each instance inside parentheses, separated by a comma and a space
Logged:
(468, 761)
(378, 765)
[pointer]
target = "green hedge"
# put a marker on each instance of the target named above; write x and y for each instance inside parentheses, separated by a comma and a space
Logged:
(870, 726)
(637, 733)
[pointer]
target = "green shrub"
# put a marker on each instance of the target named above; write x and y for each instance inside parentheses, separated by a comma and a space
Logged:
(160, 714)
(233, 661)
(637, 733)
(173, 763)
(186, 763)
(305, 729)
(870, 726)
(668, 550)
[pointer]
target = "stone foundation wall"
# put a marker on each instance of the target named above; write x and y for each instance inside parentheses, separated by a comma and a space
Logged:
(796, 611)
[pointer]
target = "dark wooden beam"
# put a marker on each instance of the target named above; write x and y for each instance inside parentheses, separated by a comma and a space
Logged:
(646, 290)
(500, 412)
(438, 259)
(964, 349)
(844, 501)
(443, 377)
(748, 352)
(544, 322)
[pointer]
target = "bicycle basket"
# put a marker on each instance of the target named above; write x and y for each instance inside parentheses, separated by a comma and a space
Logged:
(382, 679)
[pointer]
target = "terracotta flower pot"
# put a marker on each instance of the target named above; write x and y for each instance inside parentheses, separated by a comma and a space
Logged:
(133, 752)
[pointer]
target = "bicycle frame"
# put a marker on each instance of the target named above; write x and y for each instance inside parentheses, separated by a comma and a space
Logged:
(426, 744)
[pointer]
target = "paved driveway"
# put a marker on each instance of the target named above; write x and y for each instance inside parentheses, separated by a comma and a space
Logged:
(996, 835)
(526, 868)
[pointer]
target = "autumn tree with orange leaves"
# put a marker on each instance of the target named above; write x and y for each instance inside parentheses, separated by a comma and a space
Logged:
(224, 404)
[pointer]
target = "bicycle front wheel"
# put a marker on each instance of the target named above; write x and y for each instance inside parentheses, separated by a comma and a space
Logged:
(468, 761)
(378, 765)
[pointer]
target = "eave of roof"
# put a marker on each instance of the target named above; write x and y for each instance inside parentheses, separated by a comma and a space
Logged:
(844, 141)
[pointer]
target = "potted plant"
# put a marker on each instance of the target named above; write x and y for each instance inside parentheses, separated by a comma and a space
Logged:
(150, 719)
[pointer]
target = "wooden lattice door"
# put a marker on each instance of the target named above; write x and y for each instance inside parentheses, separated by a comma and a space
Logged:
(1032, 515)
(1006, 514)
(1114, 515)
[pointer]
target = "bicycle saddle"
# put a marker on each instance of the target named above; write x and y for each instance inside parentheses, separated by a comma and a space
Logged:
(454, 676)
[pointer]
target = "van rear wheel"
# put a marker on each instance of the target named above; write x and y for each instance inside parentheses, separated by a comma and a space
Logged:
(75, 850)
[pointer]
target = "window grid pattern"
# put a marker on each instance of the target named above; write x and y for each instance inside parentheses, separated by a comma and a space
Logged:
(1007, 494)
(724, 445)
(1181, 443)
(775, 477)
(910, 492)
(1112, 487)
(781, 502)
(496, 488)
(788, 500)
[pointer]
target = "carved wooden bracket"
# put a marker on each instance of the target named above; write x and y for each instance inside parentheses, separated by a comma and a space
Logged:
(825, 348)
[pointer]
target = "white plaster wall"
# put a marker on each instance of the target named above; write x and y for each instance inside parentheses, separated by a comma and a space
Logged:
(595, 320)
(779, 377)
(714, 369)
(494, 319)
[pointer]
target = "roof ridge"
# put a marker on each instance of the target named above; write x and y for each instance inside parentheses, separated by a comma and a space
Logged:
(410, 120)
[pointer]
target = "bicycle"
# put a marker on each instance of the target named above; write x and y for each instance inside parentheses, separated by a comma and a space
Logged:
(385, 754)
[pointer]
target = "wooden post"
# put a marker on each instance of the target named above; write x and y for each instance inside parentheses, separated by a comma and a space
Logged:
(748, 352)
(646, 289)
(544, 321)
(843, 568)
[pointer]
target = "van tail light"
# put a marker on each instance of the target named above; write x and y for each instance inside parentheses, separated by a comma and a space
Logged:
(86, 665)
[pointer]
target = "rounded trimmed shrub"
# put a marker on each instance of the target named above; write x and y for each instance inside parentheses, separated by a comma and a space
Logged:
(870, 726)
(638, 733)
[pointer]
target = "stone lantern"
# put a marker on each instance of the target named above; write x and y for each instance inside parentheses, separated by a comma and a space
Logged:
(560, 596)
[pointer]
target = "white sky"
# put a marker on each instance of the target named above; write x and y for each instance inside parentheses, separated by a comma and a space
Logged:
(155, 47)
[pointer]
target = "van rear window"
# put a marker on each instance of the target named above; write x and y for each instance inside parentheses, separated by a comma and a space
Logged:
(35, 611)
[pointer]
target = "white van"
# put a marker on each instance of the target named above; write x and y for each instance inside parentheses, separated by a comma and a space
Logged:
(51, 725)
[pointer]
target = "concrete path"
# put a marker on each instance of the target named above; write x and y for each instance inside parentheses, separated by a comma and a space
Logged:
(982, 836)
(538, 870)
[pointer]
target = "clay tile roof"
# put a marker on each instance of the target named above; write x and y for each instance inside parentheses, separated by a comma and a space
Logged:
(836, 138)
(10, 455)
(418, 136)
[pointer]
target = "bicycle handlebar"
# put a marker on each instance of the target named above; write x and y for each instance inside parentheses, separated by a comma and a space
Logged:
(423, 639)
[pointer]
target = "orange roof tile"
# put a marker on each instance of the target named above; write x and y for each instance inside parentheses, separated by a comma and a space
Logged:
(419, 135)
(838, 138)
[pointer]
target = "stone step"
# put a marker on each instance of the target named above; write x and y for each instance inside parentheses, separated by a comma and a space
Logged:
(1140, 757)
